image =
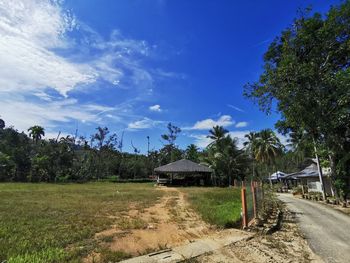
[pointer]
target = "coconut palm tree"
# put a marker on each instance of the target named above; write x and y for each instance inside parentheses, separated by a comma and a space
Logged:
(267, 147)
(36, 132)
(191, 153)
(250, 146)
(217, 133)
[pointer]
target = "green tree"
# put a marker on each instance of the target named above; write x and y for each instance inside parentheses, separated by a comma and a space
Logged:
(307, 76)
(217, 134)
(224, 157)
(170, 151)
(36, 132)
(192, 153)
(2, 124)
(267, 148)
(250, 147)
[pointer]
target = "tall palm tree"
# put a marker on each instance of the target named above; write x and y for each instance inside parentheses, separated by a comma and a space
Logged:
(36, 132)
(217, 133)
(267, 147)
(250, 146)
(191, 153)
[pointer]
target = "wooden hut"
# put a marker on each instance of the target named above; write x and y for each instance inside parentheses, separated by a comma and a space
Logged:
(183, 172)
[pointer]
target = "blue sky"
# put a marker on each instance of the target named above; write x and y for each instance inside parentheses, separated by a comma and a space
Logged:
(135, 65)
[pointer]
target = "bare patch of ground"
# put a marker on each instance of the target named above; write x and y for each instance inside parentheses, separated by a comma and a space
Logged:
(286, 245)
(168, 223)
(345, 210)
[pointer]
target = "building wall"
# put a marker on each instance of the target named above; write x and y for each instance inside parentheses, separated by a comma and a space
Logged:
(326, 180)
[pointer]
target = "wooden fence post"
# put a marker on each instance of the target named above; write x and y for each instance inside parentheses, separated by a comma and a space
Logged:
(244, 208)
(254, 201)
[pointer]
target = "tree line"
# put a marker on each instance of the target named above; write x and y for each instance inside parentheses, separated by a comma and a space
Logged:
(30, 158)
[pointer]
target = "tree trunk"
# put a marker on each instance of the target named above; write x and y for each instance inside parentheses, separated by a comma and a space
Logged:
(319, 170)
(333, 175)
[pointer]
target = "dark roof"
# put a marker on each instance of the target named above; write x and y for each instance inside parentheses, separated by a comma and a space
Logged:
(183, 166)
(310, 171)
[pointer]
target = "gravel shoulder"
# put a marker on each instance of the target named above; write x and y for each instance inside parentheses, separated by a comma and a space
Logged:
(327, 230)
(285, 245)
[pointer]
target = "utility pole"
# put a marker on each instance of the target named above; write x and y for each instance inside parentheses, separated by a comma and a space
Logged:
(319, 171)
(147, 146)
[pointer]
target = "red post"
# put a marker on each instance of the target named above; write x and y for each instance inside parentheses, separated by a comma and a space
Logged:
(244, 208)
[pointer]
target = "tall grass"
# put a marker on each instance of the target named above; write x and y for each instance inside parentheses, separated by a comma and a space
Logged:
(217, 206)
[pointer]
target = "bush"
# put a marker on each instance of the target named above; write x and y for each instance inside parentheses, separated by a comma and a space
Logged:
(297, 190)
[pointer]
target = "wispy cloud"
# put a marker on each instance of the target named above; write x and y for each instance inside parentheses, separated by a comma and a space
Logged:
(207, 124)
(29, 31)
(143, 124)
(155, 108)
(241, 124)
(235, 108)
(261, 43)
(48, 113)
(43, 67)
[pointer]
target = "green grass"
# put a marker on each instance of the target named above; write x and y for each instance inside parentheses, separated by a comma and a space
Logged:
(217, 206)
(57, 223)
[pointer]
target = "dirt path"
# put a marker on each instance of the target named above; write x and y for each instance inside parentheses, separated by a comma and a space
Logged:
(168, 223)
(327, 230)
(286, 245)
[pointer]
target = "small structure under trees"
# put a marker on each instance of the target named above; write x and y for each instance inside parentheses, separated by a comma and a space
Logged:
(309, 177)
(183, 172)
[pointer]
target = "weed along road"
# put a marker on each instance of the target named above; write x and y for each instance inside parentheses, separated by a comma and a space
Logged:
(327, 230)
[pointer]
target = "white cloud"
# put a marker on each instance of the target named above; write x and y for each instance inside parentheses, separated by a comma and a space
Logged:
(155, 108)
(41, 64)
(207, 124)
(283, 138)
(241, 124)
(201, 140)
(145, 123)
(239, 136)
(23, 114)
(29, 31)
(235, 108)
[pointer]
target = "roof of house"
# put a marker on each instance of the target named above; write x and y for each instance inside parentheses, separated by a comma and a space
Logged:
(183, 166)
(278, 175)
(310, 171)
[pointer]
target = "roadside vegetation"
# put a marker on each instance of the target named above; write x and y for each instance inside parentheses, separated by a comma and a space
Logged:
(217, 206)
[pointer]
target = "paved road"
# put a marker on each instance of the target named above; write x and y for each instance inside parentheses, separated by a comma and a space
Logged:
(327, 230)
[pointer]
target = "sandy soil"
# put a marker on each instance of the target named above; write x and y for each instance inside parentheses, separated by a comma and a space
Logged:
(286, 245)
(170, 222)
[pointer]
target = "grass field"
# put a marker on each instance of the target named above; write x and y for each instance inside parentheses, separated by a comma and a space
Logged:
(57, 223)
(217, 206)
(38, 222)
